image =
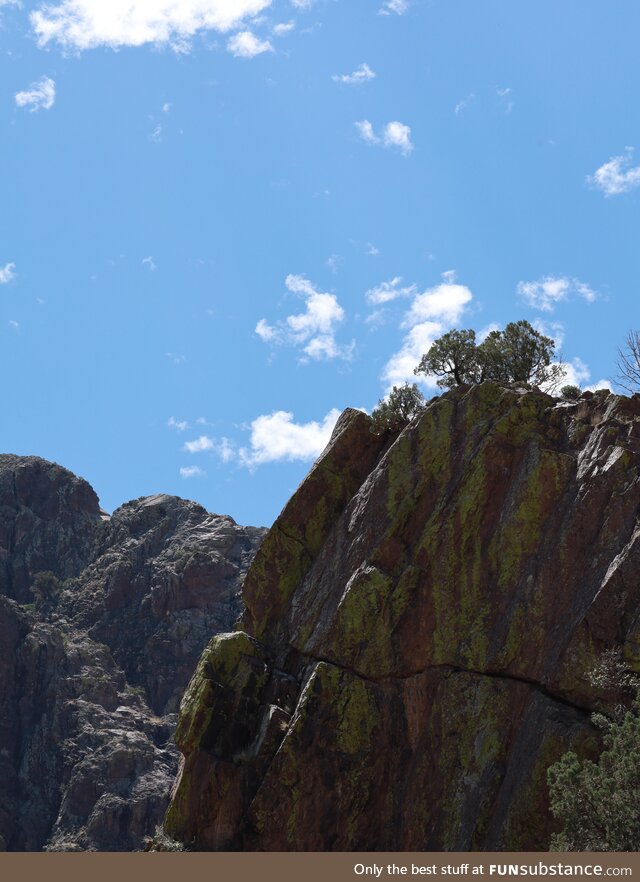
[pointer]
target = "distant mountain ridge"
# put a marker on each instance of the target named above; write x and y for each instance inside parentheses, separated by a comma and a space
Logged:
(91, 677)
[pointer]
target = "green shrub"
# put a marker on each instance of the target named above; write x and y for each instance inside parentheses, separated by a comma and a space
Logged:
(599, 802)
(570, 392)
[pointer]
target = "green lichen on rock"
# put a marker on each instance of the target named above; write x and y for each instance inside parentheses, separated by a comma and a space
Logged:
(229, 677)
(306, 522)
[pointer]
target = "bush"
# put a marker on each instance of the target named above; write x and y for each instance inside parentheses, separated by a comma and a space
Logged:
(402, 405)
(45, 589)
(570, 393)
(599, 803)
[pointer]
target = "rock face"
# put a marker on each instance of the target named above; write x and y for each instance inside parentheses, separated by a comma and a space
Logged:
(419, 627)
(92, 672)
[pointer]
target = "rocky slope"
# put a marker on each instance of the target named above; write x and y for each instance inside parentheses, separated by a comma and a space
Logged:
(92, 673)
(420, 623)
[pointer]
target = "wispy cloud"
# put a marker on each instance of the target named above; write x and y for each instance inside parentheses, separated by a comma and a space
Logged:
(7, 273)
(544, 294)
(40, 95)
(150, 263)
(276, 437)
(616, 176)
(464, 103)
(372, 250)
(245, 44)
(283, 28)
(88, 24)
(333, 262)
(313, 330)
(385, 292)
(506, 97)
(180, 425)
(192, 472)
(361, 75)
(431, 313)
(395, 134)
(199, 445)
(394, 7)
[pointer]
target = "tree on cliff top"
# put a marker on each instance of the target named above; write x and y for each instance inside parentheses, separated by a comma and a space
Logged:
(395, 412)
(519, 354)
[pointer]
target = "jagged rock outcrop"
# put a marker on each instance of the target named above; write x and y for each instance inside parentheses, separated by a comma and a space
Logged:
(92, 672)
(419, 627)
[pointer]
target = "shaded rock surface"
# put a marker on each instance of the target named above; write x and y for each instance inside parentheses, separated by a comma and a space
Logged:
(418, 630)
(91, 674)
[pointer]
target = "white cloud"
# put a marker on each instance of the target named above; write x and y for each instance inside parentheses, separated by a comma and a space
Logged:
(431, 314)
(39, 96)
(266, 332)
(200, 445)
(192, 472)
(312, 330)
(544, 294)
(464, 103)
(284, 28)
(225, 450)
(616, 176)
(14, 324)
(397, 134)
(361, 75)
(87, 24)
(333, 262)
(372, 250)
(577, 374)
(445, 303)
(302, 4)
(601, 384)
(245, 44)
(394, 134)
(483, 333)
(150, 262)
(398, 7)
(399, 368)
(555, 330)
(391, 290)
(176, 358)
(365, 130)
(276, 437)
(166, 107)
(505, 96)
(7, 273)
(156, 134)
(180, 425)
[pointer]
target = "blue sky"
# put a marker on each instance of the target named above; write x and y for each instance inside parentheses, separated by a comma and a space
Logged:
(224, 222)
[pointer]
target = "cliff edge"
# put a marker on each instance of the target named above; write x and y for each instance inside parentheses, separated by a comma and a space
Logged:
(418, 630)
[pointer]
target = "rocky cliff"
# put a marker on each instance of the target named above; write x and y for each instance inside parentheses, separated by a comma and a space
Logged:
(419, 627)
(94, 663)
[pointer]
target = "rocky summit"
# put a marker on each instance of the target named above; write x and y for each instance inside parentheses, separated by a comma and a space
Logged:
(419, 628)
(102, 620)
